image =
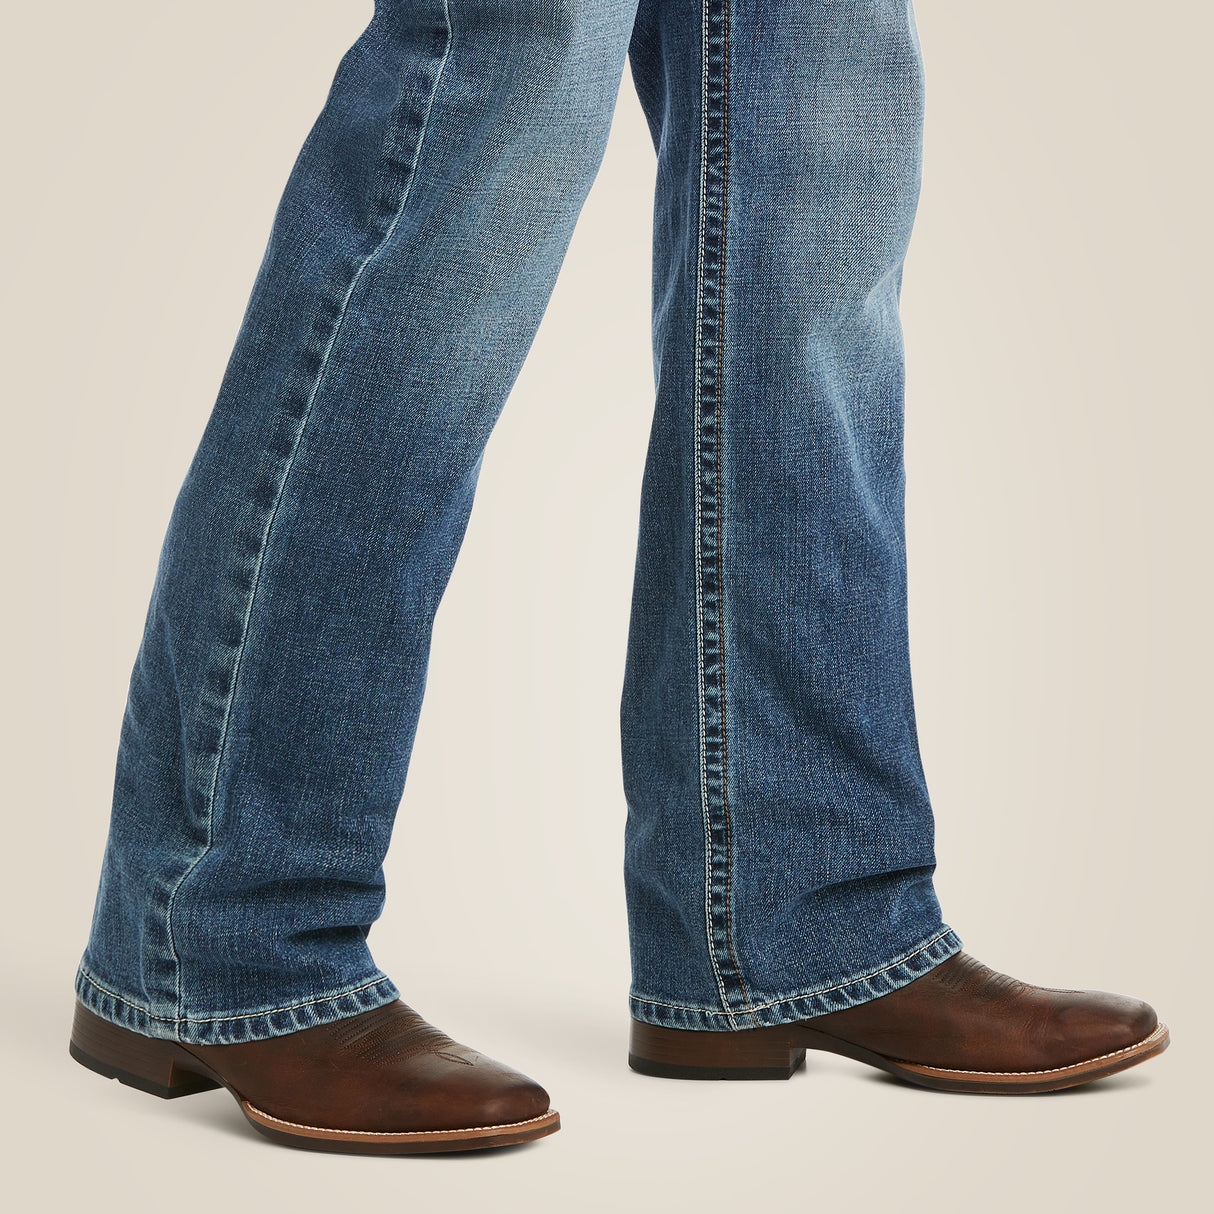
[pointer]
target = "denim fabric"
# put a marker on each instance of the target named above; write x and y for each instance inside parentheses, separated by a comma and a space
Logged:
(778, 842)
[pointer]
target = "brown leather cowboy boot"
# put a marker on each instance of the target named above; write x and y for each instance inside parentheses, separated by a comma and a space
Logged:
(380, 1083)
(961, 1027)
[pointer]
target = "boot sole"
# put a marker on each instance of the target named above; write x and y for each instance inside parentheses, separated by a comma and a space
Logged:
(168, 1070)
(778, 1052)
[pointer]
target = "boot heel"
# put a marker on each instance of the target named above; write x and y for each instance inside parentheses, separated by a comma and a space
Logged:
(150, 1064)
(693, 1054)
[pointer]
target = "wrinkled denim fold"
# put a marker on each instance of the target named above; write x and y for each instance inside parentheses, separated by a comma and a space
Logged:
(778, 840)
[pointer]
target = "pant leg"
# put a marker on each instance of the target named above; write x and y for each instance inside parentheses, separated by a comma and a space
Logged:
(276, 690)
(779, 841)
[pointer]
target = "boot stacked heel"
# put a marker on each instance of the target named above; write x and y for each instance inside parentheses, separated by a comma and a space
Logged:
(694, 1054)
(150, 1064)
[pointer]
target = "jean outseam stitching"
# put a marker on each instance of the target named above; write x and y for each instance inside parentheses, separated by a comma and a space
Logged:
(721, 493)
(719, 894)
(826, 990)
(263, 547)
(706, 812)
(273, 1011)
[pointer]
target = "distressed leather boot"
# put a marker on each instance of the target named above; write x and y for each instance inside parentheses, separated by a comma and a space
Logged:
(961, 1027)
(384, 1082)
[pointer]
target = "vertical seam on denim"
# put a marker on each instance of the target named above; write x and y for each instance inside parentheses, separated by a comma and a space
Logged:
(710, 530)
(696, 405)
(263, 547)
(721, 492)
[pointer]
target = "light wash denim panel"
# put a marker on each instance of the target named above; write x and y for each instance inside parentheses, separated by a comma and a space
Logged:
(778, 857)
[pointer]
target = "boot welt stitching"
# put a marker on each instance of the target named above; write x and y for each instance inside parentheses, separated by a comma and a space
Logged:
(320, 1129)
(1157, 1032)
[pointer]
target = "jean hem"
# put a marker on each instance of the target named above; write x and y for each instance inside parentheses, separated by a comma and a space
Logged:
(898, 972)
(232, 1029)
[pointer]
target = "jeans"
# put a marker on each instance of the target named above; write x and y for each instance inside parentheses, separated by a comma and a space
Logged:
(778, 844)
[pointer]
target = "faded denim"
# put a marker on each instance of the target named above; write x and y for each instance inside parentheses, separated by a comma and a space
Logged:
(779, 840)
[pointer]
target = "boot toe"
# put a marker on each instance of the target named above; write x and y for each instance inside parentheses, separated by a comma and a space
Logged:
(1102, 1023)
(1135, 1020)
(521, 1100)
(477, 1092)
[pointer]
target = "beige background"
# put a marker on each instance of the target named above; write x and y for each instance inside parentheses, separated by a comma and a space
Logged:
(1057, 309)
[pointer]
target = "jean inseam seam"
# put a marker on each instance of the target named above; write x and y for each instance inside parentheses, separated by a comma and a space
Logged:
(813, 994)
(281, 490)
(272, 1011)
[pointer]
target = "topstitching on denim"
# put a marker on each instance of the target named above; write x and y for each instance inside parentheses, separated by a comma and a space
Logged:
(708, 411)
(87, 975)
(823, 990)
(813, 1002)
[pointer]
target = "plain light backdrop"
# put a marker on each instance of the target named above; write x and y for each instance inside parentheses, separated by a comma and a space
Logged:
(1058, 318)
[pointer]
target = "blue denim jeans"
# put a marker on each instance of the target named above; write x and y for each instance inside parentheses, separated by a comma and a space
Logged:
(779, 840)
